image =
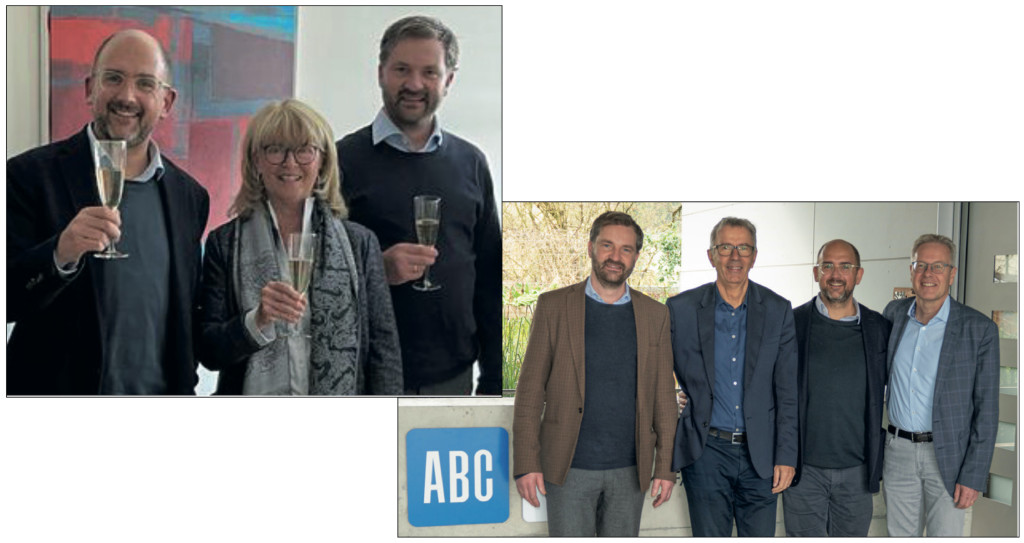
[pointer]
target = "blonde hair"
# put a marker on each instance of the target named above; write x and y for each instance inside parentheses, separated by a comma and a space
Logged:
(288, 123)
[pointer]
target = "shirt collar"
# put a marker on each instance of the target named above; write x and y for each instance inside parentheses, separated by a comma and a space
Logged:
(942, 315)
(625, 299)
(384, 129)
(823, 309)
(155, 168)
(720, 300)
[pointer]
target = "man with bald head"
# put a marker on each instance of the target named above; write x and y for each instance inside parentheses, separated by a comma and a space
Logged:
(93, 326)
(841, 386)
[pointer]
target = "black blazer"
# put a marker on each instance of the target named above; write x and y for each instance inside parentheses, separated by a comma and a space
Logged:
(875, 330)
(56, 345)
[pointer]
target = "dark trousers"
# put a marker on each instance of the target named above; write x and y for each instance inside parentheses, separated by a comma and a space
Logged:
(828, 502)
(722, 486)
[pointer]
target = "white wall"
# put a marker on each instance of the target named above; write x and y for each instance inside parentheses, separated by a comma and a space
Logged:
(336, 71)
(790, 234)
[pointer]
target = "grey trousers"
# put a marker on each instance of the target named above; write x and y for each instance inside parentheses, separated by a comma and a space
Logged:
(828, 502)
(915, 496)
(595, 502)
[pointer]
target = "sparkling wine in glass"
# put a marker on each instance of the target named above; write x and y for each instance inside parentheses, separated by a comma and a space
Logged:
(301, 256)
(109, 158)
(428, 220)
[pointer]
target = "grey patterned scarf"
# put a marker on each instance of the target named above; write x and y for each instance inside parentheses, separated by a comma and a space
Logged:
(333, 304)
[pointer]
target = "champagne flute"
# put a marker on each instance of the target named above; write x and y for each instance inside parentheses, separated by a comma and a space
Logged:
(109, 158)
(428, 220)
(301, 255)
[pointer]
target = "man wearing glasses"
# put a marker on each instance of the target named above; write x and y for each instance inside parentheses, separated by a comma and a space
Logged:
(405, 153)
(841, 378)
(735, 354)
(84, 325)
(943, 400)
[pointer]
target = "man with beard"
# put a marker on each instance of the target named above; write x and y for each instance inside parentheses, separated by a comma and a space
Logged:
(943, 400)
(85, 325)
(597, 375)
(735, 358)
(841, 373)
(405, 153)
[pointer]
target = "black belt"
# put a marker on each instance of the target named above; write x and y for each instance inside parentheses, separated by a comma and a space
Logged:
(734, 438)
(916, 437)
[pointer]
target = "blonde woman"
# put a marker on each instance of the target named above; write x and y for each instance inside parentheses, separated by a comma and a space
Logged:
(346, 342)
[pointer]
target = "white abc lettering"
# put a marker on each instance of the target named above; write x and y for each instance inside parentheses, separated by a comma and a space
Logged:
(432, 479)
(458, 481)
(478, 476)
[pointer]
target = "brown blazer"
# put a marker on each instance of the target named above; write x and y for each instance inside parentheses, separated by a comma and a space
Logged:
(551, 382)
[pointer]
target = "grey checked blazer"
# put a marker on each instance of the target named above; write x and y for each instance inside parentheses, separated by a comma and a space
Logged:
(965, 408)
(552, 382)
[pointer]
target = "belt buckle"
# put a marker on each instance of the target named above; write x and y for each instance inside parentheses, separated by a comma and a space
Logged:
(733, 441)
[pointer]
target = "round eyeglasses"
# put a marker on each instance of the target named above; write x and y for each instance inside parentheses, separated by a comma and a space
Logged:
(845, 267)
(277, 154)
(936, 267)
(145, 84)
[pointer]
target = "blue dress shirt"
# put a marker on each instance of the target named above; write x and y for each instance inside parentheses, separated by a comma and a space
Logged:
(383, 129)
(591, 293)
(914, 368)
(730, 348)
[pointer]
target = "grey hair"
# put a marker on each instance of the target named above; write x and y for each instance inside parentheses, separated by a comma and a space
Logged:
(934, 238)
(734, 221)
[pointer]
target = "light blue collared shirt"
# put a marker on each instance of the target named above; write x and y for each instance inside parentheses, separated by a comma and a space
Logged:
(383, 129)
(155, 167)
(914, 369)
(823, 309)
(625, 299)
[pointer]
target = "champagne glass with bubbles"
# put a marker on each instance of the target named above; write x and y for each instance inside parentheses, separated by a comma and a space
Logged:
(109, 158)
(428, 219)
(301, 256)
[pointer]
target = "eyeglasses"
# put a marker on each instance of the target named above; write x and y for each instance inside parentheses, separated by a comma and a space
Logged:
(936, 267)
(845, 267)
(725, 249)
(276, 154)
(145, 84)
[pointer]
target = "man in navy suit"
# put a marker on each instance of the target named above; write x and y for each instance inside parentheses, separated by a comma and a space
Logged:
(842, 373)
(943, 399)
(735, 355)
(91, 326)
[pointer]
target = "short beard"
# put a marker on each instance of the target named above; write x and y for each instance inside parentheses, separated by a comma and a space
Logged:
(841, 300)
(604, 280)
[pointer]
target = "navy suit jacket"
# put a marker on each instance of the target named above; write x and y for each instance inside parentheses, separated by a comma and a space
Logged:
(875, 332)
(965, 407)
(56, 345)
(769, 375)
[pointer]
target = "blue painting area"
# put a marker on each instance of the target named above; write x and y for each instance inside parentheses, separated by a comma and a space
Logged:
(276, 22)
(457, 476)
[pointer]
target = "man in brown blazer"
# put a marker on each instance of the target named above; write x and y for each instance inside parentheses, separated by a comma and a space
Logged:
(598, 367)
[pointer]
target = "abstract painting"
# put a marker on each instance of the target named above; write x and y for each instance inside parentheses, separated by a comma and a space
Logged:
(226, 62)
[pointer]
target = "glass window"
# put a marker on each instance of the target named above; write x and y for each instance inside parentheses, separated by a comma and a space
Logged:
(1000, 489)
(1005, 435)
(1008, 380)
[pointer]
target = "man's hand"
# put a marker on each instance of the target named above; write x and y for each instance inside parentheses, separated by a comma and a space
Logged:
(664, 488)
(93, 229)
(682, 400)
(964, 496)
(783, 478)
(404, 262)
(279, 302)
(528, 484)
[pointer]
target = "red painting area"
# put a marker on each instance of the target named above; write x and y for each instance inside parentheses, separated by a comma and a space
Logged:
(204, 131)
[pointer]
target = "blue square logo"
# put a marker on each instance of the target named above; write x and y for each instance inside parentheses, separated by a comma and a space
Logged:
(457, 476)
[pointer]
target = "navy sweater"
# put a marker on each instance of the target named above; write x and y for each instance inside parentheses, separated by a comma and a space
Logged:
(444, 331)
